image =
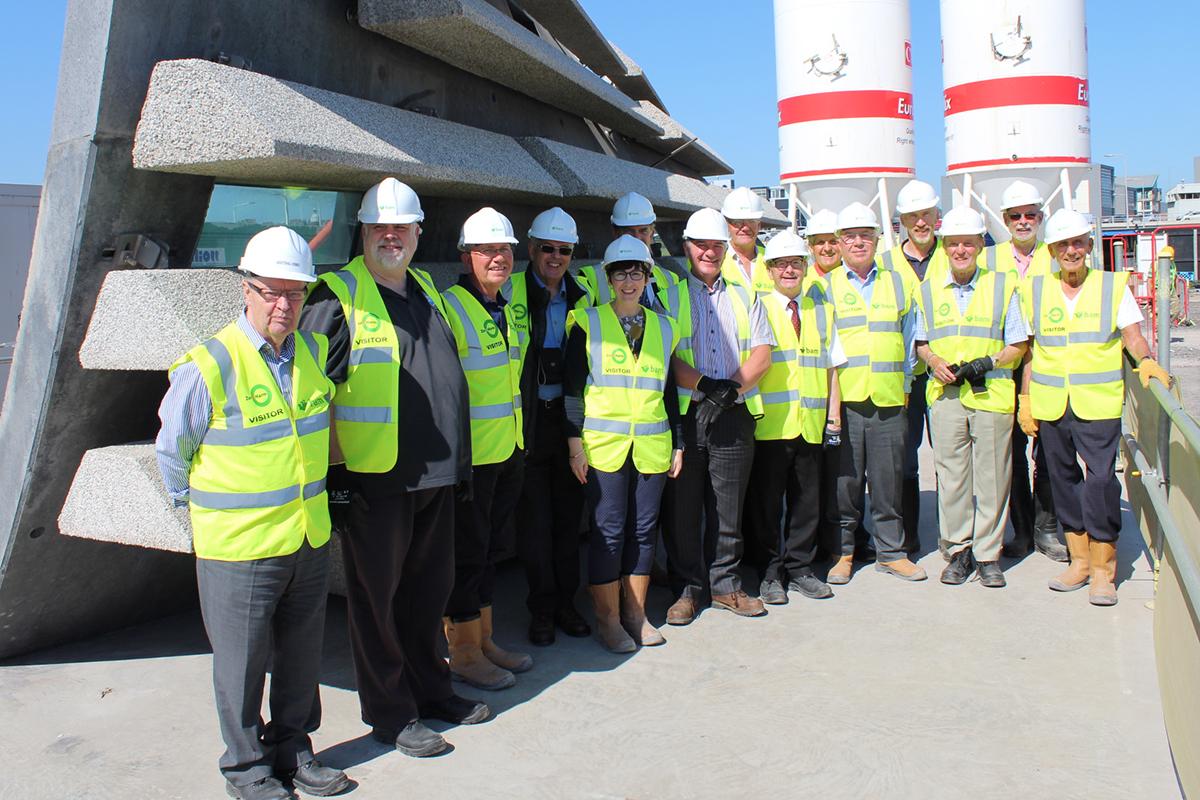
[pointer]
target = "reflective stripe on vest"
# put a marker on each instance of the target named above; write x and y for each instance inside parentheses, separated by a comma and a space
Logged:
(623, 399)
(493, 369)
(960, 337)
(1076, 356)
(795, 388)
(515, 292)
(758, 284)
(874, 368)
(257, 480)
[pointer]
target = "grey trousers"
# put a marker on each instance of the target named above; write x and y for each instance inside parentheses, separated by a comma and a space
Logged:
(266, 613)
(872, 451)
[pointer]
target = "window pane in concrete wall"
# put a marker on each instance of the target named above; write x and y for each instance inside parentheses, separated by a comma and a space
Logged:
(235, 213)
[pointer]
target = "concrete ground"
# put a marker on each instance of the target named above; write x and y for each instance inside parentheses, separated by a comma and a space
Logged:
(888, 690)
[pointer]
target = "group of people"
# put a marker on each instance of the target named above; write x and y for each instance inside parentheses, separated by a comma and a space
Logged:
(742, 408)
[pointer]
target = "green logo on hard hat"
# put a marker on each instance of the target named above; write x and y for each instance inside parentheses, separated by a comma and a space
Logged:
(490, 329)
(370, 322)
(1055, 315)
(619, 355)
(260, 395)
(519, 311)
(850, 298)
(944, 309)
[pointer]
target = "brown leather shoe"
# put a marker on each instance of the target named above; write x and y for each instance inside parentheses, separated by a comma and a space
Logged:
(740, 603)
(903, 568)
(682, 611)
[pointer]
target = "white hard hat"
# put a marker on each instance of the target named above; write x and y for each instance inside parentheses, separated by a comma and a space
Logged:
(632, 210)
(554, 225)
(627, 248)
(1066, 224)
(1020, 193)
(962, 221)
(279, 252)
(824, 221)
(486, 226)
(856, 215)
(916, 196)
(706, 224)
(742, 203)
(390, 202)
(786, 244)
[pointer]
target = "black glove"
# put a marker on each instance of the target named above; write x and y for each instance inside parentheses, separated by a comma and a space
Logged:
(975, 370)
(833, 438)
(723, 391)
(707, 412)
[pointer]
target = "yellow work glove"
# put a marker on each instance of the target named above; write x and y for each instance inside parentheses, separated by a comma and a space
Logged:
(1029, 425)
(1149, 368)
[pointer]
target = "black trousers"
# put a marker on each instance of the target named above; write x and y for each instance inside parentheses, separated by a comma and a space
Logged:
(549, 516)
(1090, 502)
(702, 508)
(399, 570)
(624, 507)
(791, 470)
(1030, 510)
(478, 525)
(269, 611)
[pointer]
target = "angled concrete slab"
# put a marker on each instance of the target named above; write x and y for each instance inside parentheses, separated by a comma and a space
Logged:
(696, 155)
(202, 118)
(189, 306)
(634, 81)
(573, 28)
(474, 36)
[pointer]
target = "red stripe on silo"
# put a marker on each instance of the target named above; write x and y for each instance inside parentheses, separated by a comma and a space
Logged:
(845, 105)
(995, 162)
(1029, 90)
(843, 171)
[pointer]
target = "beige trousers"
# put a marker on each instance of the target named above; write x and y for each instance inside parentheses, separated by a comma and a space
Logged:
(973, 453)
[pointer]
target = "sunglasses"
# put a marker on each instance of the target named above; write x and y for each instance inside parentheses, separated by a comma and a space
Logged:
(1018, 215)
(550, 249)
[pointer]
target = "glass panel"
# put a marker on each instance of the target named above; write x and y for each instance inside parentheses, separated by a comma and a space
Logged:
(235, 213)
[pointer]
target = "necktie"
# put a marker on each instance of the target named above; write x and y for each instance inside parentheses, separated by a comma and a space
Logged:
(795, 311)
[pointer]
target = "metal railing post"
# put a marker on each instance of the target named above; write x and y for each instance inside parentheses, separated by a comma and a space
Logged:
(1162, 300)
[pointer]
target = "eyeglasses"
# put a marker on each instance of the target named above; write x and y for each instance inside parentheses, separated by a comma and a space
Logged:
(795, 263)
(852, 237)
(620, 276)
(492, 252)
(1016, 216)
(741, 223)
(272, 297)
(550, 250)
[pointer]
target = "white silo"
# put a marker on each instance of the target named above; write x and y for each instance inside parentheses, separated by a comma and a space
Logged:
(1015, 87)
(844, 83)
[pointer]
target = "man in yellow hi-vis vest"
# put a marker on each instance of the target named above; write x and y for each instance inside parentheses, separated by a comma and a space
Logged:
(970, 333)
(402, 422)
(245, 444)
(873, 312)
(744, 268)
(1032, 512)
(1073, 393)
(491, 344)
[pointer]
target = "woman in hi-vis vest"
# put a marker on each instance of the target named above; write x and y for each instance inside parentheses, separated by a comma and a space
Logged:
(623, 439)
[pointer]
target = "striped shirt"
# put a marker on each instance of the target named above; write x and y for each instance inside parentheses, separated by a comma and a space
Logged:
(186, 409)
(715, 346)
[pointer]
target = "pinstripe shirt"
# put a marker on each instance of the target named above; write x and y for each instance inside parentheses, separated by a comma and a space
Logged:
(715, 346)
(186, 410)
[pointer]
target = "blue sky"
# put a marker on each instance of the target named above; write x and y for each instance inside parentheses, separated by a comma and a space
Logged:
(714, 65)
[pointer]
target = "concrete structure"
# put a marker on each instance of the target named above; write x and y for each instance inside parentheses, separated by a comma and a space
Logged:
(18, 217)
(472, 102)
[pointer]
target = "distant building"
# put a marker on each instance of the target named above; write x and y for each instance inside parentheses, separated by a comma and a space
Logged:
(1138, 196)
(1106, 191)
(775, 195)
(1183, 202)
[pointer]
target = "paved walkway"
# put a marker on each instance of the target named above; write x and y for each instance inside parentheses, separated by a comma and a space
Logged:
(889, 690)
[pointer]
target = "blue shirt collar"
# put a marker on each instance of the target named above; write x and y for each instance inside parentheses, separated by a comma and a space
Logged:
(852, 275)
(969, 284)
(256, 339)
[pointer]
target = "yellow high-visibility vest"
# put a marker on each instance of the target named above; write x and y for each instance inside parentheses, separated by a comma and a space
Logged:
(493, 368)
(999, 258)
(365, 408)
(759, 282)
(795, 388)
(960, 337)
(872, 337)
(623, 401)
(515, 292)
(677, 299)
(1076, 356)
(257, 481)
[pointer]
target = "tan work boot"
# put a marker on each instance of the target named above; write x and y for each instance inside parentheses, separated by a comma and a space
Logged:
(901, 568)
(606, 597)
(467, 661)
(839, 573)
(633, 611)
(1077, 573)
(505, 659)
(1103, 591)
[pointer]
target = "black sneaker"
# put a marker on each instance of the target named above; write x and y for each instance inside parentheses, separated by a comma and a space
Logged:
(771, 592)
(456, 710)
(961, 565)
(990, 575)
(415, 740)
(810, 586)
